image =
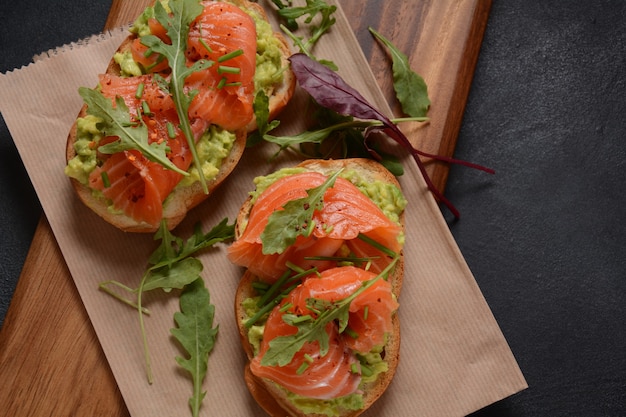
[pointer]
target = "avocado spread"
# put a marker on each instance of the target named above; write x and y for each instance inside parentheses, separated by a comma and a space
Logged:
(333, 407)
(392, 202)
(216, 143)
(387, 197)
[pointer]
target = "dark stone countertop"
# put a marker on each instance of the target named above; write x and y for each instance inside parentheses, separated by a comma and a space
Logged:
(545, 237)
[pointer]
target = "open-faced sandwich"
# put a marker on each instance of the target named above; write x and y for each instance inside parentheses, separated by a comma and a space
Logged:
(316, 308)
(169, 118)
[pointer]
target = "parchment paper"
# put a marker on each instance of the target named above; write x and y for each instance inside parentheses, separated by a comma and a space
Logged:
(454, 358)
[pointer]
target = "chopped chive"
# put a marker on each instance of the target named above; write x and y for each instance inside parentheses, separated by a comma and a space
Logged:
(302, 319)
(171, 130)
(155, 63)
(301, 272)
(237, 84)
(354, 368)
(286, 307)
(206, 45)
(351, 259)
(351, 333)
(257, 316)
(105, 179)
(297, 278)
(308, 358)
(230, 55)
(222, 83)
(273, 289)
(139, 91)
(260, 287)
(294, 267)
(366, 370)
(146, 108)
(365, 312)
(147, 52)
(202, 41)
(224, 69)
(377, 245)
(302, 368)
(328, 228)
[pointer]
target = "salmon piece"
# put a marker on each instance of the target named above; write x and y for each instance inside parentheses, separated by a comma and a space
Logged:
(139, 186)
(160, 103)
(347, 212)
(325, 377)
(220, 30)
(332, 375)
(151, 62)
(370, 312)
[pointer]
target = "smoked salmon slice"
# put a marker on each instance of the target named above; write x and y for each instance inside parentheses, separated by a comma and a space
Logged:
(324, 377)
(134, 184)
(226, 35)
(370, 312)
(337, 373)
(346, 213)
(222, 33)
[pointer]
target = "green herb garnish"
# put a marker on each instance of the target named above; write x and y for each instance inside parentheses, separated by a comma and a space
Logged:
(282, 349)
(296, 219)
(196, 334)
(171, 266)
(410, 87)
(312, 9)
(261, 113)
(230, 55)
(132, 135)
(177, 24)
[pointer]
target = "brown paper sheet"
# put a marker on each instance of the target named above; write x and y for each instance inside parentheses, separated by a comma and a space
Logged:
(454, 358)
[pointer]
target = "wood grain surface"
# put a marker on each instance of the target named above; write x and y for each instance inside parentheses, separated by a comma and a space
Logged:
(50, 359)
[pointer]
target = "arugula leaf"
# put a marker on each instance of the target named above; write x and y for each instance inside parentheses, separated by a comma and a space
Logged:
(410, 87)
(330, 90)
(176, 276)
(196, 334)
(314, 136)
(172, 249)
(171, 266)
(311, 10)
(296, 219)
(304, 48)
(290, 22)
(116, 121)
(261, 107)
(282, 349)
(177, 24)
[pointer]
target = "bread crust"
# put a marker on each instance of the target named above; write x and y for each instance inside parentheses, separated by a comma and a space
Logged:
(182, 199)
(269, 395)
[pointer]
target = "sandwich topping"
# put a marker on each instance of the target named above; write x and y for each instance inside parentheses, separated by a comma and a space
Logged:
(324, 310)
(347, 223)
(330, 368)
(220, 51)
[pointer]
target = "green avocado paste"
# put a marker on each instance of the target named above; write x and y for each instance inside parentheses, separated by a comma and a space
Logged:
(216, 143)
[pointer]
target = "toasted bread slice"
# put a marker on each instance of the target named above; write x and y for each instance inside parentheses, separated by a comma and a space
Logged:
(183, 199)
(270, 396)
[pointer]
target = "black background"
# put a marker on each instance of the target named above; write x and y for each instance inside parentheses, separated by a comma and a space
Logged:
(544, 237)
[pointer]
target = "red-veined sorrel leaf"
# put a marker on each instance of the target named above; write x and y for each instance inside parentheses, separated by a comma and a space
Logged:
(330, 90)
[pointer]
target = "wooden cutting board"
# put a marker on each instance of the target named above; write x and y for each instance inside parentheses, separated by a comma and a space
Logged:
(51, 362)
